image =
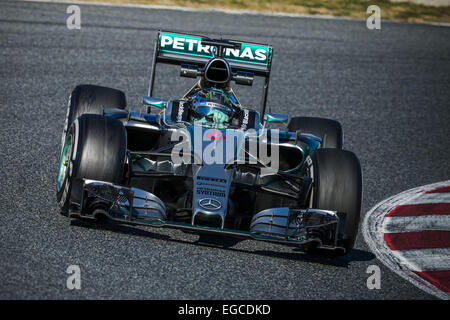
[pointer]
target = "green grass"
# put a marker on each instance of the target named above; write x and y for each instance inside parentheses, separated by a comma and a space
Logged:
(342, 8)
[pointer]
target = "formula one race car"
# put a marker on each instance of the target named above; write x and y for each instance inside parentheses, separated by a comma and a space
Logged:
(204, 163)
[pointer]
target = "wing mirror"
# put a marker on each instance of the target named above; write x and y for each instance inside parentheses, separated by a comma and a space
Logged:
(154, 102)
(276, 117)
(190, 71)
(243, 78)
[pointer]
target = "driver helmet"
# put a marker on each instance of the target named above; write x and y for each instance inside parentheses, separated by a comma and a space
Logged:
(213, 103)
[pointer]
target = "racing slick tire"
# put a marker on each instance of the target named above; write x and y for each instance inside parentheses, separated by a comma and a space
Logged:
(95, 148)
(329, 130)
(337, 186)
(87, 98)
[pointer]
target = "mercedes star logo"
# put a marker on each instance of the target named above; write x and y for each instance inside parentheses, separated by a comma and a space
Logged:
(210, 204)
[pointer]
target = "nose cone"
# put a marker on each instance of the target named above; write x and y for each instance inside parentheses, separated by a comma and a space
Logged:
(210, 198)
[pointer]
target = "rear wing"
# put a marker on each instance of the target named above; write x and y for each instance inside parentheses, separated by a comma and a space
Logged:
(182, 48)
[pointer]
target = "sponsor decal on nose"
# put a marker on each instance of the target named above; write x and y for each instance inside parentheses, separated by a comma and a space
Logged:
(215, 135)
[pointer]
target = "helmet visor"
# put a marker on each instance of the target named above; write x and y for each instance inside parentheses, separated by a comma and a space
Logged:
(205, 108)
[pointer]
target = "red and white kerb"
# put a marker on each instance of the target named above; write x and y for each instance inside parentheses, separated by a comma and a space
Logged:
(410, 233)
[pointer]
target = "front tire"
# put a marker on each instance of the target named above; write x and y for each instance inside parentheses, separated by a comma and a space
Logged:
(87, 98)
(95, 148)
(337, 186)
(329, 130)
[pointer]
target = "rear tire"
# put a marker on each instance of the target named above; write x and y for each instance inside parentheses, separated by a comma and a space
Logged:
(86, 98)
(337, 186)
(95, 148)
(329, 130)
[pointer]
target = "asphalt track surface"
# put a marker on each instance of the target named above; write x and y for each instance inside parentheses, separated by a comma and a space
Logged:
(389, 88)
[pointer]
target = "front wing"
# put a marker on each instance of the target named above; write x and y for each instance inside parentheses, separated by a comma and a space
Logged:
(91, 198)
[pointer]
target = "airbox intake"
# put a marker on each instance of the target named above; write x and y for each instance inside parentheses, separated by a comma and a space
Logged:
(218, 70)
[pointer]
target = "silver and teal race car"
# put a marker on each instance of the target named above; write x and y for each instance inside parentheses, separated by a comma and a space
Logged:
(204, 162)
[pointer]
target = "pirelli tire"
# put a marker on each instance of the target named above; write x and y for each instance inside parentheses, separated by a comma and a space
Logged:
(95, 148)
(329, 130)
(337, 186)
(87, 98)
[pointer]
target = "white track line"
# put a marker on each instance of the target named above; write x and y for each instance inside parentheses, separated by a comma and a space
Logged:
(418, 223)
(425, 259)
(189, 9)
(228, 11)
(430, 198)
(372, 229)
